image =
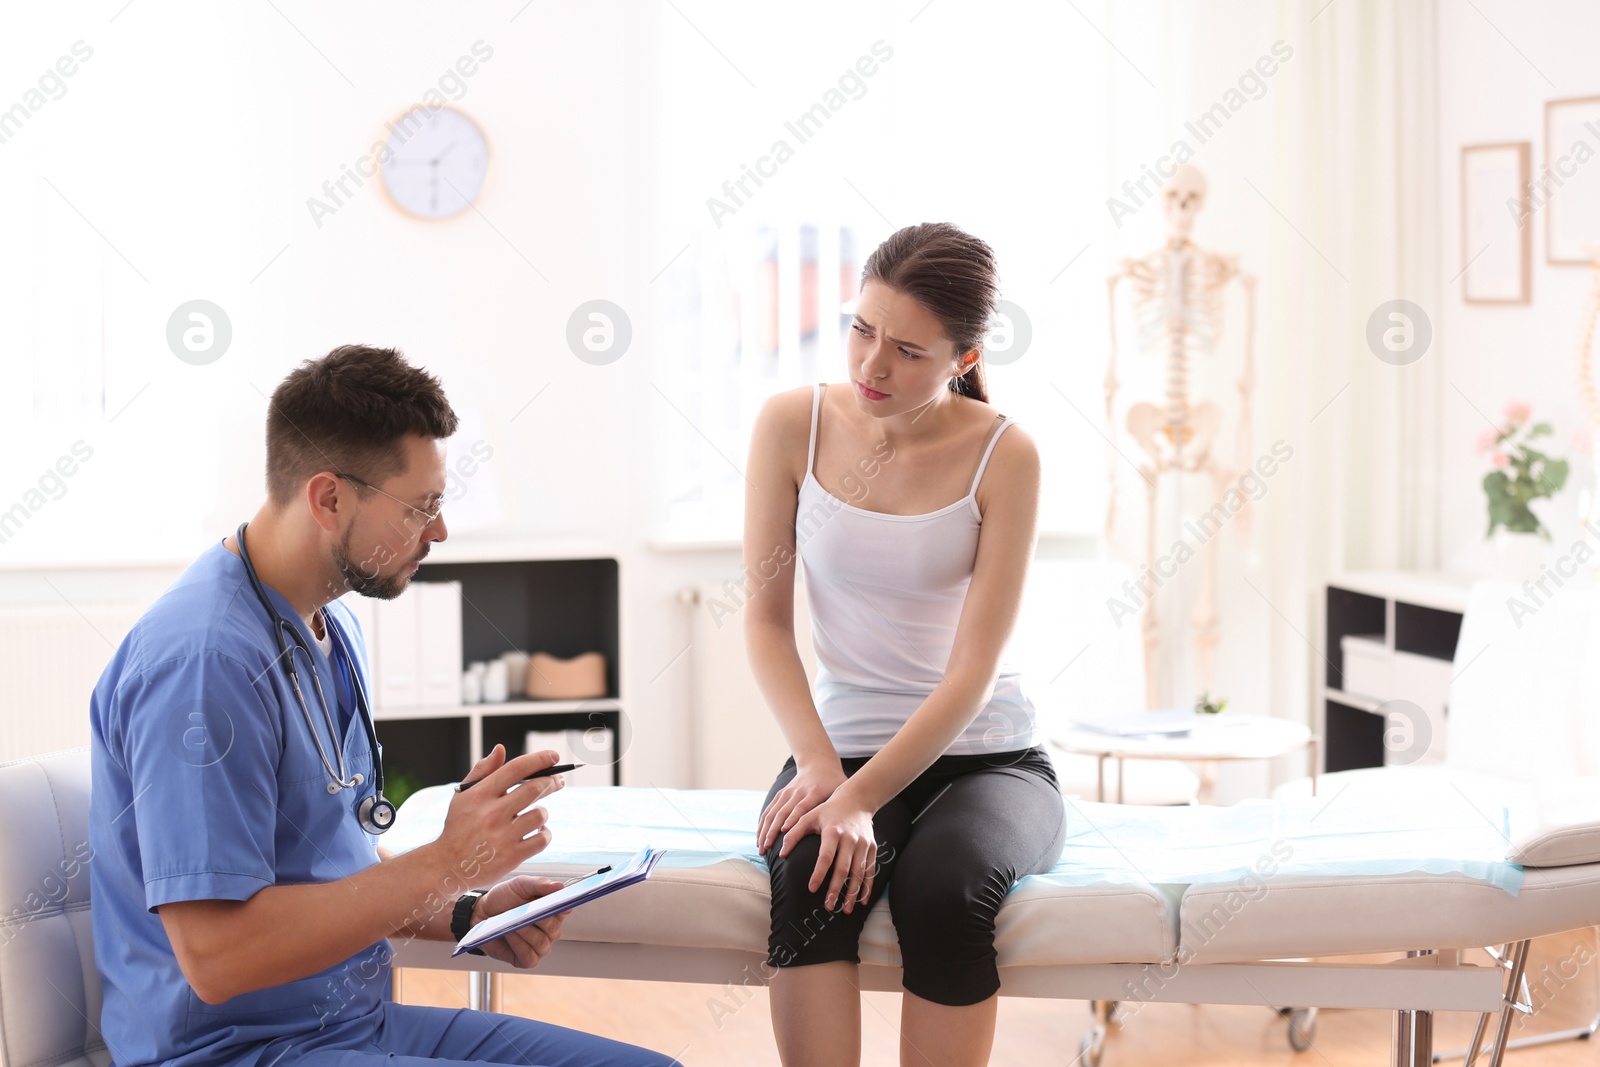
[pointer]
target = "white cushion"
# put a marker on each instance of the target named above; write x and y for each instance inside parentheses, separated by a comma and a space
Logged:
(719, 905)
(1555, 822)
(728, 905)
(1565, 827)
(721, 898)
(1291, 918)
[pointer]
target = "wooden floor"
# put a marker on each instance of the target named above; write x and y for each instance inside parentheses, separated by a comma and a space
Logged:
(707, 1027)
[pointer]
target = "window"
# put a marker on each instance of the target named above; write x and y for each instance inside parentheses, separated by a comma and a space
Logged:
(785, 167)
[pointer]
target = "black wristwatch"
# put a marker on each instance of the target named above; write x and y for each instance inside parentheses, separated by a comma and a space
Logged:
(461, 918)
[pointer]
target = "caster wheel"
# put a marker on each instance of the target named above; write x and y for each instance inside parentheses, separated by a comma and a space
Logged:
(1302, 1028)
(1091, 1048)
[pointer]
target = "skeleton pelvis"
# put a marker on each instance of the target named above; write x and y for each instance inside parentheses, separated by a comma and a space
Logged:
(1175, 443)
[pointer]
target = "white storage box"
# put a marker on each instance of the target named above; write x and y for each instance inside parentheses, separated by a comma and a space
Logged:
(1368, 667)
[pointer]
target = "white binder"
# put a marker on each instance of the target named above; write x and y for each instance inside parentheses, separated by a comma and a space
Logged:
(590, 747)
(439, 642)
(397, 672)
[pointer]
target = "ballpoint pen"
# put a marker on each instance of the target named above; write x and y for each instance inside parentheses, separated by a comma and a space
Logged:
(547, 772)
(581, 877)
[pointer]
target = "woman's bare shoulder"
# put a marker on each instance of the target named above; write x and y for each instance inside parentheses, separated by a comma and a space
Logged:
(782, 431)
(787, 413)
(1015, 460)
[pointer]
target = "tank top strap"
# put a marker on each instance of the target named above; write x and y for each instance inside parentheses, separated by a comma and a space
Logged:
(1001, 424)
(816, 406)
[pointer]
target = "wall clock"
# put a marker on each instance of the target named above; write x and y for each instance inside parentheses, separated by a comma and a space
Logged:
(437, 164)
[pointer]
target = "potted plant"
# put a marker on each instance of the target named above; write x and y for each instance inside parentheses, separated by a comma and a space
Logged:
(1520, 475)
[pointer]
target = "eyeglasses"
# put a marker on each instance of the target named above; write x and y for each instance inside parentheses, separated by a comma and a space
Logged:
(426, 518)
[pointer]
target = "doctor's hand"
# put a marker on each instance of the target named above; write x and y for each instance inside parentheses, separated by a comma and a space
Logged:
(527, 946)
(492, 829)
(848, 859)
(810, 786)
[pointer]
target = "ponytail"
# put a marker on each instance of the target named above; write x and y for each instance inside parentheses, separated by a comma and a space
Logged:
(972, 383)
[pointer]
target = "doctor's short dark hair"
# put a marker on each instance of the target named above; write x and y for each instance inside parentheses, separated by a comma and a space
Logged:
(349, 411)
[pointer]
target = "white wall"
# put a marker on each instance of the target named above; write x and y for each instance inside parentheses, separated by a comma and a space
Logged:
(180, 160)
(1488, 93)
(184, 152)
(189, 145)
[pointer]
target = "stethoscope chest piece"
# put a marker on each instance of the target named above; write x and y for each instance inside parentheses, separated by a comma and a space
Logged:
(375, 814)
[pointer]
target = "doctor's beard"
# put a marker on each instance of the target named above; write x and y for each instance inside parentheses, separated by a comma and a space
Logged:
(363, 577)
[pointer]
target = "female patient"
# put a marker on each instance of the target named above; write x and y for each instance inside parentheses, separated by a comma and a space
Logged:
(913, 504)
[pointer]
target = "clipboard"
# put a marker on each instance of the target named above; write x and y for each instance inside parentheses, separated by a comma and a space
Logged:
(566, 898)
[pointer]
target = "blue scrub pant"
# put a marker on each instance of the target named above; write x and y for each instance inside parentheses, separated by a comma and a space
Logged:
(412, 1035)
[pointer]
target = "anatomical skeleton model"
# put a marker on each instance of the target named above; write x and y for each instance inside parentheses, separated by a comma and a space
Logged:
(1177, 295)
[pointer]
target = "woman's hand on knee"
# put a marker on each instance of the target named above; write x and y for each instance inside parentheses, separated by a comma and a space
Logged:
(848, 859)
(810, 786)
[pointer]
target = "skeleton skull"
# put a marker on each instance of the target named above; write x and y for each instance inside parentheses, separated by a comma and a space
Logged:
(1185, 195)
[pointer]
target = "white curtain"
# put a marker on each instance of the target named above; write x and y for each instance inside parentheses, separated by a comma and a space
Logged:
(1326, 186)
(1358, 173)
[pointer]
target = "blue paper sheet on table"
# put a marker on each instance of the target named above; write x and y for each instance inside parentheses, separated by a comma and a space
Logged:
(1348, 834)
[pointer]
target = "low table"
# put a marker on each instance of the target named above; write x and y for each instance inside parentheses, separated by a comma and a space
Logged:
(1213, 739)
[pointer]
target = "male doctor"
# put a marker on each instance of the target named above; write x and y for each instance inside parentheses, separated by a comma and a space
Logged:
(241, 904)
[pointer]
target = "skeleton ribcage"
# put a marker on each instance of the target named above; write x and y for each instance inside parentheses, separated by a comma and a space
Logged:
(1177, 307)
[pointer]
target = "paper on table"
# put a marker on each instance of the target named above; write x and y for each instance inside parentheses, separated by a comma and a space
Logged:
(566, 898)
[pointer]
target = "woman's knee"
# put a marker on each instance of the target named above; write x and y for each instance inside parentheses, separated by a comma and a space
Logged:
(945, 927)
(952, 902)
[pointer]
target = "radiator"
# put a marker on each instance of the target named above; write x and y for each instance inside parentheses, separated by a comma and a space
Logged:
(51, 656)
(735, 742)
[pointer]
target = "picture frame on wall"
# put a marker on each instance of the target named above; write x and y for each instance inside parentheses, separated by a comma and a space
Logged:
(1572, 178)
(1496, 223)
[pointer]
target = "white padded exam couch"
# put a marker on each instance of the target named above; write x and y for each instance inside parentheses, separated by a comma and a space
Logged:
(1188, 904)
(1185, 904)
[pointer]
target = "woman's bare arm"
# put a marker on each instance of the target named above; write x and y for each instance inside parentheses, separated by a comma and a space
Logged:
(781, 433)
(777, 465)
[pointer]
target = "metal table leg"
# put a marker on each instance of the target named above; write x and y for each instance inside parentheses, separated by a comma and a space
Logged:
(1519, 964)
(1400, 1042)
(1577, 1033)
(483, 991)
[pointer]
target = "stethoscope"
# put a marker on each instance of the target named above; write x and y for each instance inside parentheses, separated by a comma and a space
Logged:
(375, 813)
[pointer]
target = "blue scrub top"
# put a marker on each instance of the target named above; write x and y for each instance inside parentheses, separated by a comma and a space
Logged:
(207, 786)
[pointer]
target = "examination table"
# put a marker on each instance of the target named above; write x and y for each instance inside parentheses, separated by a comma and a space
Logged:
(1184, 904)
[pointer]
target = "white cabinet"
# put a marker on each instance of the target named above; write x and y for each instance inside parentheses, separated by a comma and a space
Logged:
(1390, 640)
(496, 599)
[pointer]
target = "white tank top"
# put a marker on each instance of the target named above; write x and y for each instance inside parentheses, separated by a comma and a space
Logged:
(885, 593)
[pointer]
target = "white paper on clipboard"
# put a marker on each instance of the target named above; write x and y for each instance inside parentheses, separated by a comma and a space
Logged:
(566, 898)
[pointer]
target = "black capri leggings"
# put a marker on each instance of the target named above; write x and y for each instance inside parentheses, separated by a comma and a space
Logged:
(950, 847)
